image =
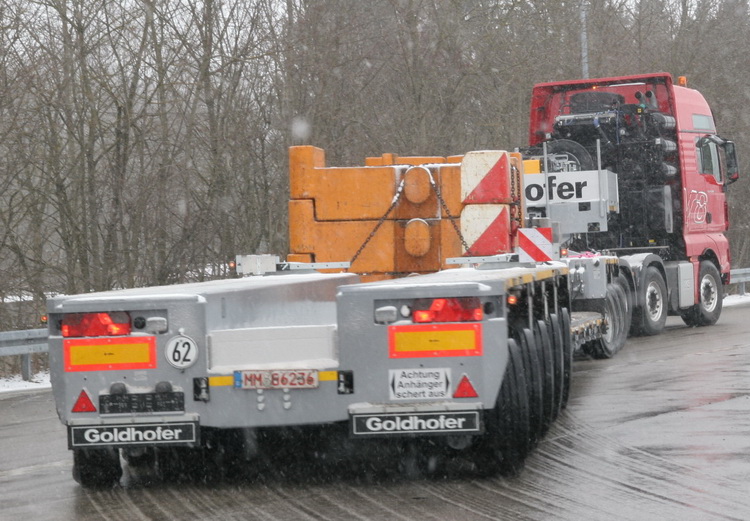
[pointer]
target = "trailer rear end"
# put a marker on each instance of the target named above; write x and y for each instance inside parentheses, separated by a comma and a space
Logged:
(165, 372)
(475, 360)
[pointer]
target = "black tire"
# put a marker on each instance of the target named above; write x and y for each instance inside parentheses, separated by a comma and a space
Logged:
(621, 281)
(508, 437)
(567, 355)
(711, 293)
(573, 150)
(546, 357)
(534, 378)
(615, 312)
(651, 317)
(558, 353)
(97, 468)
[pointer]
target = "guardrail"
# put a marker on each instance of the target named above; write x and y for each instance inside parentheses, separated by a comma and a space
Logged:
(29, 341)
(740, 276)
(24, 343)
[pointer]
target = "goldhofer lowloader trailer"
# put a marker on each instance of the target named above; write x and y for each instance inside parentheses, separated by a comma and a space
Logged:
(475, 359)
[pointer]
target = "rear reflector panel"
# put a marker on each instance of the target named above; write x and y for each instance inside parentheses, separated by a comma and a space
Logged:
(434, 340)
(107, 354)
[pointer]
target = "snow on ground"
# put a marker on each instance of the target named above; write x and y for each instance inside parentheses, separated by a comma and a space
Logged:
(41, 380)
(16, 383)
(736, 300)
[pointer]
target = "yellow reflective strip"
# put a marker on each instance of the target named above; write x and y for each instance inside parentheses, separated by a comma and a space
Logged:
(544, 274)
(328, 376)
(97, 354)
(220, 381)
(435, 341)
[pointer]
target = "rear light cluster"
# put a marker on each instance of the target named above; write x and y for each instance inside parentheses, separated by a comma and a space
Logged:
(96, 324)
(457, 309)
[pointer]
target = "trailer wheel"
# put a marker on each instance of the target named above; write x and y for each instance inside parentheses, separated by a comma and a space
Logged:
(546, 356)
(97, 468)
(652, 316)
(615, 311)
(533, 371)
(711, 293)
(558, 353)
(508, 436)
(567, 355)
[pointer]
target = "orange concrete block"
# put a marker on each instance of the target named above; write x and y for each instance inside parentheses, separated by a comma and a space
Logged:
(393, 159)
(339, 193)
(300, 257)
(303, 161)
(450, 242)
(417, 246)
(338, 241)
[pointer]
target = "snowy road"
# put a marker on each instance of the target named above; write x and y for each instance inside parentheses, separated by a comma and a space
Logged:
(660, 432)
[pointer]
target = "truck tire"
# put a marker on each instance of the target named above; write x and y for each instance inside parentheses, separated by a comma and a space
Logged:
(533, 371)
(508, 437)
(711, 293)
(652, 316)
(622, 281)
(558, 352)
(97, 468)
(615, 311)
(544, 345)
(567, 355)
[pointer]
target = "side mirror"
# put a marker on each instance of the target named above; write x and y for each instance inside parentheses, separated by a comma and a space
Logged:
(733, 168)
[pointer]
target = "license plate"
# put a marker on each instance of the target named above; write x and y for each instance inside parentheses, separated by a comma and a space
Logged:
(277, 379)
(141, 402)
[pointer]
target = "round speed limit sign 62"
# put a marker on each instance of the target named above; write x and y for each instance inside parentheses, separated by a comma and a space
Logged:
(182, 352)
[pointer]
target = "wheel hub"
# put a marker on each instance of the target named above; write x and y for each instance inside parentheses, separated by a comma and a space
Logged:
(708, 293)
(654, 301)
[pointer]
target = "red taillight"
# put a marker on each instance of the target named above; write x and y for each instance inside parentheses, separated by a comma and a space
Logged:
(458, 309)
(96, 324)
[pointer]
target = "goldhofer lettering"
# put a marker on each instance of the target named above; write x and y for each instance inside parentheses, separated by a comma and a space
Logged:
(130, 435)
(414, 423)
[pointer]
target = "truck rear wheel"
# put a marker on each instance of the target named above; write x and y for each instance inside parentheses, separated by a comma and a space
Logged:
(711, 293)
(615, 311)
(651, 317)
(97, 468)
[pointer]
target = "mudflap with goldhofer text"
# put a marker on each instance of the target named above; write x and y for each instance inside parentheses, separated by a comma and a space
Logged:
(416, 423)
(133, 434)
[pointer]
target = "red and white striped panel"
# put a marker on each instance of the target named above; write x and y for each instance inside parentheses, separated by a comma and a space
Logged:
(485, 177)
(486, 229)
(535, 245)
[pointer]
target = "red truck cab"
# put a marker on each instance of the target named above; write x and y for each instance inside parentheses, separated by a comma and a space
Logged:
(673, 169)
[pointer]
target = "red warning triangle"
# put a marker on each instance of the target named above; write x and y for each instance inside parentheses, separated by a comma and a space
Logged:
(495, 239)
(464, 389)
(84, 403)
(494, 186)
